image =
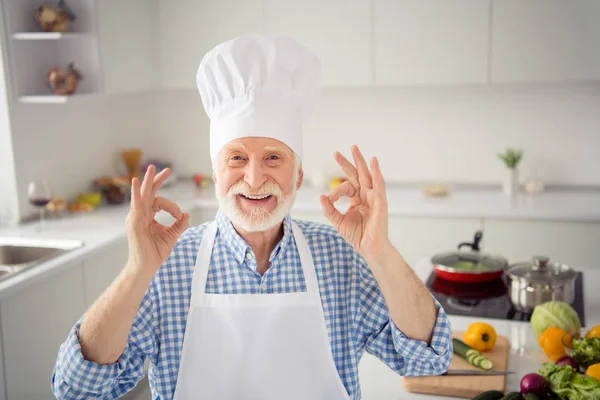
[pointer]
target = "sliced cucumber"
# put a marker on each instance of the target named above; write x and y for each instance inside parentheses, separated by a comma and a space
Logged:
(473, 357)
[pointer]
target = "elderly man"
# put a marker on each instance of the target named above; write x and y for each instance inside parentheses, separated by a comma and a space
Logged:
(255, 305)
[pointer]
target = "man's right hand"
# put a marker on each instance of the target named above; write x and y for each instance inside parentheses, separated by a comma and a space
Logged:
(150, 242)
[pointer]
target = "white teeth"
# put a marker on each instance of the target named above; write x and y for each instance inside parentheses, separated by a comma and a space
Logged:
(256, 197)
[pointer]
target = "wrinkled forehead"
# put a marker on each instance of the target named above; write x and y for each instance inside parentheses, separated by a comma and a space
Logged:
(256, 146)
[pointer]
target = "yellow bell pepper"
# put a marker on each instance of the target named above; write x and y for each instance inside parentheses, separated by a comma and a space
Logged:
(480, 336)
(593, 371)
(551, 341)
(594, 332)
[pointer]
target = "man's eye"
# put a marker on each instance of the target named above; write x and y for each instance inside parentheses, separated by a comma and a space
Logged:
(236, 158)
(274, 157)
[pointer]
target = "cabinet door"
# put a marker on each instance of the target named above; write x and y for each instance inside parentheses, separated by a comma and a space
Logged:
(572, 243)
(310, 216)
(127, 45)
(101, 269)
(35, 322)
(431, 41)
(337, 31)
(190, 28)
(546, 40)
(2, 384)
(418, 238)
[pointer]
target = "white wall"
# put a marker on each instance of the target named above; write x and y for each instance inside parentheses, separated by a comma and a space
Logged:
(448, 134)
(71, 144)
(8, 198)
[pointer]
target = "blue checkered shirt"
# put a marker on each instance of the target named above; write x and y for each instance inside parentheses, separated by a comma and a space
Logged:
(356, 314)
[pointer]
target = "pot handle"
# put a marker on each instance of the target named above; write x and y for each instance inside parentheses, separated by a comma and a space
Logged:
(475, 244)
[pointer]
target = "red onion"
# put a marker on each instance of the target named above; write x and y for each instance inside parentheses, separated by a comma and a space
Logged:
(534, 383)
(568, 360)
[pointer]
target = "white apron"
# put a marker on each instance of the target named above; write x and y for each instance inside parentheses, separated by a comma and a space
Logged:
(256, 346)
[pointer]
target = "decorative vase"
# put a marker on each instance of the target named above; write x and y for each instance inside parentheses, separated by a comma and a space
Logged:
(511, 182)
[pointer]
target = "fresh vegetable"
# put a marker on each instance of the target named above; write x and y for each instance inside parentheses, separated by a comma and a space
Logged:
(530, 396)
(489, 395)
(534, 383)
(558, 314)
(586, 351)
(473, 357)
(593, 371)
(594, 332)
(568, 360)
(480, 336)
(512, 396)
(551, 342)
(568, 384)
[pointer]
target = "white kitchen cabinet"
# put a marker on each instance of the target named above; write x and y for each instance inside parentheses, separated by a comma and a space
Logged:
(102, 268)
(431, 42)
(572, 243)
(545, 41)
(127, 38)
(200, 215)
(337, 31)
(310, 216)
(35, 321)
(419, 237)
(2, 385)
(190, 28)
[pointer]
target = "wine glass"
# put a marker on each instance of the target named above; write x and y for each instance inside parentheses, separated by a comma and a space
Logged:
(39, 195)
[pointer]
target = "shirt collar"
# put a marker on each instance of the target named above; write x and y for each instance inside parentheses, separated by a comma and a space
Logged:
(238, 246)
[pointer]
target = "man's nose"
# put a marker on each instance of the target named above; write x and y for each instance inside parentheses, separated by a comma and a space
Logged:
(255, 175)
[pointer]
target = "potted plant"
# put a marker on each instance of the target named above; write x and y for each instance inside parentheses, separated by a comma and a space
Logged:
(511, 158)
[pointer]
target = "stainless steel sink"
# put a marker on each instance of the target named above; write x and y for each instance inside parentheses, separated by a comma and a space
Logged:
(19, 254)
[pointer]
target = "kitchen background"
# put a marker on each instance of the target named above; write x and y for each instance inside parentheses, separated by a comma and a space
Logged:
(435, 89)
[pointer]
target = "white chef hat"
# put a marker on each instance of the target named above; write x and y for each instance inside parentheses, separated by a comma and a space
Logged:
(258, 86)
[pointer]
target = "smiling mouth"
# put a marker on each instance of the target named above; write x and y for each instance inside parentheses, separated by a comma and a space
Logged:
(256, 198)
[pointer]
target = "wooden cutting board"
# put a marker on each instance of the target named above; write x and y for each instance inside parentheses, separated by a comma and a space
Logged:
(464, 386)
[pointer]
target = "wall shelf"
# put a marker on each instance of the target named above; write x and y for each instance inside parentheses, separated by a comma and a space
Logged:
(48, 35)
(34, 52)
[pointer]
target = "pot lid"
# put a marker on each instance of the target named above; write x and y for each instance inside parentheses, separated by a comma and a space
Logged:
(541, 270)
(469, 262)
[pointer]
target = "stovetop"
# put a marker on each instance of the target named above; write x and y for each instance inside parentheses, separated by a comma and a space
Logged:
(488, 300)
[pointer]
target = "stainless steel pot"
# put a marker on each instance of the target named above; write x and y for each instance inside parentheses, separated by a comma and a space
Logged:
(535, 283)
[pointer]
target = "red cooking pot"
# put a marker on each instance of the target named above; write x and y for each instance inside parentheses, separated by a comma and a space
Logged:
(469, 266)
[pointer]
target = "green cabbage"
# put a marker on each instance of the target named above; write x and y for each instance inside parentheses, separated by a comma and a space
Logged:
(555, 313)
(568, 384)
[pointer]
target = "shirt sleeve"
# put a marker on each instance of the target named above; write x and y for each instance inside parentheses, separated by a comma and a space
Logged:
(74, 377)
(382, 338)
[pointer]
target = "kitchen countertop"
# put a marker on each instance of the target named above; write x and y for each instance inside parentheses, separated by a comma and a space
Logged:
(466, 202)
(107, 224)
(526, 356)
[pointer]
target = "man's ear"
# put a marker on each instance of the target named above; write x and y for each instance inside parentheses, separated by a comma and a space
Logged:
(214, 176)
(300, 178)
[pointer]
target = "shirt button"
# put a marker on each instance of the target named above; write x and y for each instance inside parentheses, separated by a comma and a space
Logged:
(264, 286)
(249, 256)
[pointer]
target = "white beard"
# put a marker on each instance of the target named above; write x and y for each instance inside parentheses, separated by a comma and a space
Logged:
(259, 219)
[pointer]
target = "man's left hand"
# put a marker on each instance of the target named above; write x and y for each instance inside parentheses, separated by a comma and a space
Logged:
(365, 223)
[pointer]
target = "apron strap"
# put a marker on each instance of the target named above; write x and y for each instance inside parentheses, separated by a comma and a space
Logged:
(203, 261)
(308, 267)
